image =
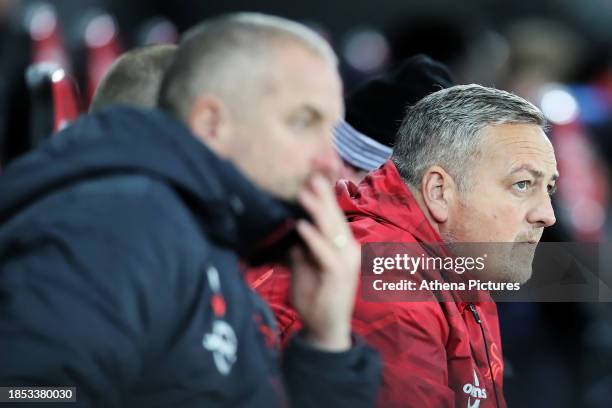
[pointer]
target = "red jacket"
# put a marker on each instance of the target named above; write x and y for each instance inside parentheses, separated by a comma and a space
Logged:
(435, 354)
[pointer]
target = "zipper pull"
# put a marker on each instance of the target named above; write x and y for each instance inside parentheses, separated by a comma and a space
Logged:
(475, 313)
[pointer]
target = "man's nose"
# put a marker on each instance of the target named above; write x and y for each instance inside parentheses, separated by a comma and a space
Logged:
(328, 163)
(543, 213)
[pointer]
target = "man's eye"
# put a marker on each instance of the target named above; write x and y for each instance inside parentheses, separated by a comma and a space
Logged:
(522, 186)
(552, 189)
(301, 123)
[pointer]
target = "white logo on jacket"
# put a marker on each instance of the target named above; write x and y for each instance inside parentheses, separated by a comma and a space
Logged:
(474, 390)
(222, 341)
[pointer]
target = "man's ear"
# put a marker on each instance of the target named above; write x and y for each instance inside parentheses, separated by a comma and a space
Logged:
(437, 190)
(206, 119)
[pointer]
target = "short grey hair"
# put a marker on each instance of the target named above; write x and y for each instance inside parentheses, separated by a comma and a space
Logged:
(445, 129)
(134, 78)
(217, 54)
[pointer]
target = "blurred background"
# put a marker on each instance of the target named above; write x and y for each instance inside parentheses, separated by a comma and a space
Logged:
(556, 53)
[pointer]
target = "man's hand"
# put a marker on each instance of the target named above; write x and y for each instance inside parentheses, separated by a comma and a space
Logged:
(325, 273)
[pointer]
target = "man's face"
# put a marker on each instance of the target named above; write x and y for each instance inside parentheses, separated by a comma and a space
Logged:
(507, 198)
(283, 132)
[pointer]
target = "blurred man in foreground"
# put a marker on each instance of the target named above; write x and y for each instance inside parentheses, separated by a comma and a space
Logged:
(120, 237)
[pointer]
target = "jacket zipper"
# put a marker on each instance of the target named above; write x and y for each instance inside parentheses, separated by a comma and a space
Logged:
(484, 338)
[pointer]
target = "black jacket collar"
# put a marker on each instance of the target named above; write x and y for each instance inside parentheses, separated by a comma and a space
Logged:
(230, 209)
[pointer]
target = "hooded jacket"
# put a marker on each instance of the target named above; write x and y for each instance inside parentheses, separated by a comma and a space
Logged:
(119, 246)
(435, 354)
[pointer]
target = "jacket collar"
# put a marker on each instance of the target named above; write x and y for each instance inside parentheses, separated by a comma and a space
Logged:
(228, 207)
(384, 197)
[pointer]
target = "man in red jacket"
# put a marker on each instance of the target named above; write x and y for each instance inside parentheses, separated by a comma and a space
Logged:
(471, 164)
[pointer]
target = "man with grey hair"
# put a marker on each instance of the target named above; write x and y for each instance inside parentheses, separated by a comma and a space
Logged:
(471, 165)
(120, 238)
(465, 152)
(134, 78)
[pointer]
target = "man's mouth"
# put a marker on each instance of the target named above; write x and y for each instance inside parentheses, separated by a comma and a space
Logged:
(530, 240)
